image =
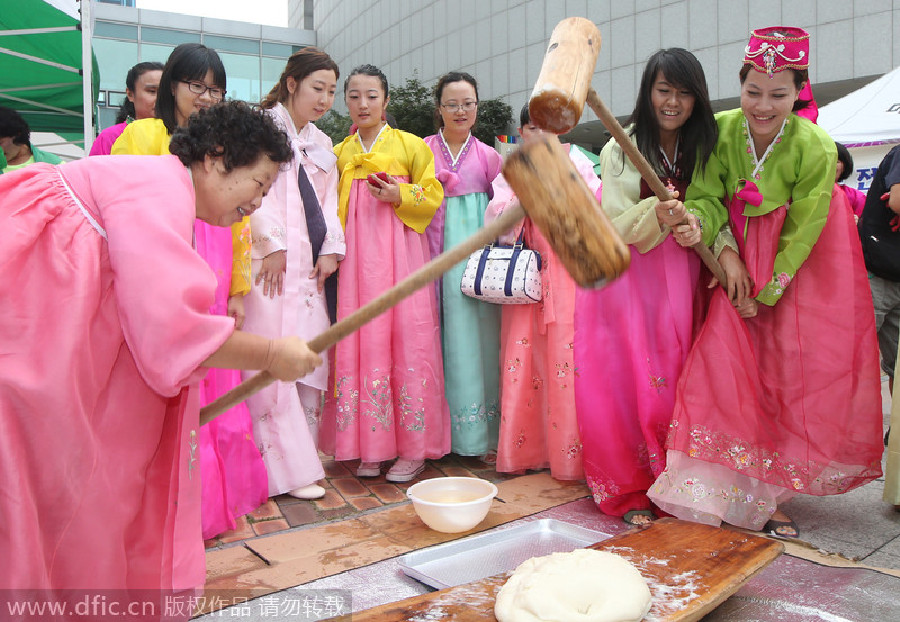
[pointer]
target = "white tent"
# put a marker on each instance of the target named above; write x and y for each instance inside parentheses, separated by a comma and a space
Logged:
(867, 121)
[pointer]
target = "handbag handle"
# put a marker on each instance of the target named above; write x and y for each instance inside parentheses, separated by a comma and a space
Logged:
(519, 243)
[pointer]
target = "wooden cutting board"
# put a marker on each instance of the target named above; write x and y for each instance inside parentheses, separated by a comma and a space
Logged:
(691, 569)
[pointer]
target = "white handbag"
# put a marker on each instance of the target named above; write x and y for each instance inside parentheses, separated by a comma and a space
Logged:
(504, 275)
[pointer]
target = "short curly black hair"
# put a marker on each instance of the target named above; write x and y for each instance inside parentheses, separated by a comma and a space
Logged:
(12, 125)
(233, 130)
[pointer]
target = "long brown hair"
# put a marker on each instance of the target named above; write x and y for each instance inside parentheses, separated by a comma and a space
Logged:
(301, 63)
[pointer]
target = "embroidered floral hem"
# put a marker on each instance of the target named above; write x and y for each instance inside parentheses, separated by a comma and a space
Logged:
(477, 424)
(765, 465)
(708, 493)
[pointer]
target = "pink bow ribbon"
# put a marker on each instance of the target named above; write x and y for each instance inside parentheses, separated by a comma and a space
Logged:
(750, 194)
(448, 180)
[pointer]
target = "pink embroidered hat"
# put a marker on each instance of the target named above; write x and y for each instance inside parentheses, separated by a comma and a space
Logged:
(778, 48)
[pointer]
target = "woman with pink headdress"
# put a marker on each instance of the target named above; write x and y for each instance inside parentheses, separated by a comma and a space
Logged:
(780, 394)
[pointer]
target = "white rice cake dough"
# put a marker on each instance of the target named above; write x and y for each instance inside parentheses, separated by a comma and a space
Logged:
(581, 586)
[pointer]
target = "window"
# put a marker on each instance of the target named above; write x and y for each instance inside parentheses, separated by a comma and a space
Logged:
(231, 44)
(114, 58)
(115, 31)
(150, 52)
(278, 50)
(163, 35)
(271, 72)
(243, 76)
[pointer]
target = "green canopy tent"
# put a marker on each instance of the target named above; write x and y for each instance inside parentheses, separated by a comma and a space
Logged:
(43, 44)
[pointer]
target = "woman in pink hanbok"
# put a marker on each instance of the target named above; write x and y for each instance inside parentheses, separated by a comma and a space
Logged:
(632, 336)
(538, 428)
(234, 476)
(297, 244)
(388, 400)
(107, 334)
(780, 394)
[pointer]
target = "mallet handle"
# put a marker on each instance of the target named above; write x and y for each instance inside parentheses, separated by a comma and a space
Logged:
(647, 172)
(405, 288)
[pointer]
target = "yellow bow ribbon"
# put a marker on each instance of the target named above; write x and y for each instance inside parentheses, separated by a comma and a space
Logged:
(360, 166)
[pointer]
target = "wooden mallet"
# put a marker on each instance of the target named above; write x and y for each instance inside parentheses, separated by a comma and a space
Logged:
(563, 87)
(552, 194)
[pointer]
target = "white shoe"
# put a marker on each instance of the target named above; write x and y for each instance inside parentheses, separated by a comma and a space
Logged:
(313, 491)
(368, 469)
(405, 470)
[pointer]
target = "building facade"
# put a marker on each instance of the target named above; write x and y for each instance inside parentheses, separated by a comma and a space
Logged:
(253, 55)
(502, 42)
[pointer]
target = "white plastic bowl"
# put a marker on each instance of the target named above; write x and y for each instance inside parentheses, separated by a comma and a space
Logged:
(452, 504)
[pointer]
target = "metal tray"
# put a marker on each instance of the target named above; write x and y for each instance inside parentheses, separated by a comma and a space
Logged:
(485, 555)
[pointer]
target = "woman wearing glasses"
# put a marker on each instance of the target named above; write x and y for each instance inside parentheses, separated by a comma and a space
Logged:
(470, 333)
(192, 80)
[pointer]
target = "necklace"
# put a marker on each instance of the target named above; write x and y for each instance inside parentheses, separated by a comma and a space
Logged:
(669, 166)
(751, 148)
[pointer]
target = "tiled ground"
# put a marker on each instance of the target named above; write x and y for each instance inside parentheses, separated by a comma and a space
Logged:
(345, 495)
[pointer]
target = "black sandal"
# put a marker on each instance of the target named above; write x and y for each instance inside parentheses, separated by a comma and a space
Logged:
(771, 528)
(629, 516)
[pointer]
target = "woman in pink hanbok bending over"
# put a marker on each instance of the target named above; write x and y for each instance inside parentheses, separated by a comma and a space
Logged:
(109, 337)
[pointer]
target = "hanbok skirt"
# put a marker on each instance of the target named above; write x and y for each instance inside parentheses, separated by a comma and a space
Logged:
(471, 342)
(538, 427)
(388, 399)
(785, 402)
(631, 340)
(233, 478)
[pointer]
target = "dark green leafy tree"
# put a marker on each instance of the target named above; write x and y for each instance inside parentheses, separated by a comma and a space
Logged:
(412, 107)
(494, 118)
(335, 125)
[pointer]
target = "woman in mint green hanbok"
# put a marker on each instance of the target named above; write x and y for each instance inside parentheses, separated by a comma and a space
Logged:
(470, 332)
